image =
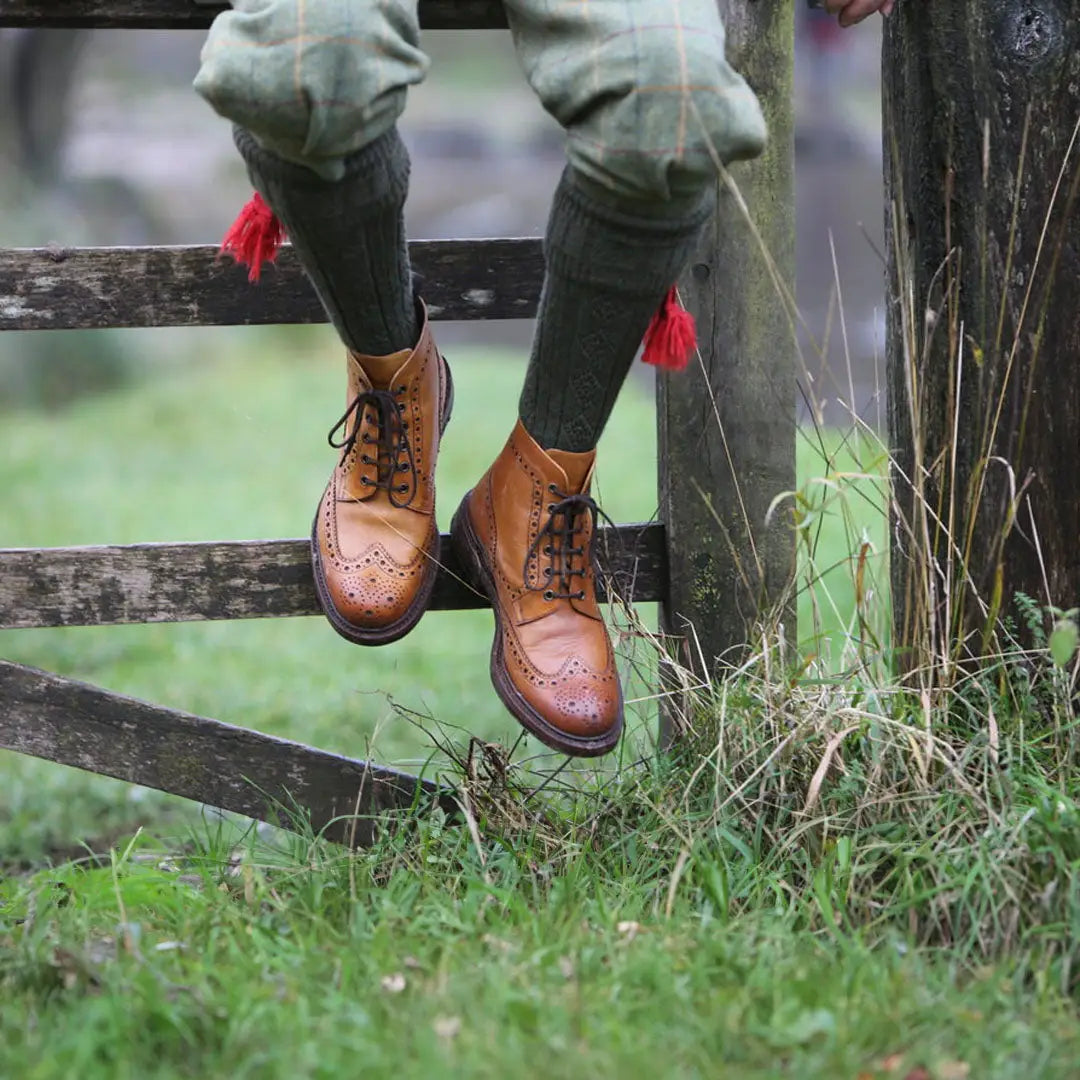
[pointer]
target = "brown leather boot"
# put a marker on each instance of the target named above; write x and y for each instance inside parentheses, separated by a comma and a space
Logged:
(374, 542)
(525, 533)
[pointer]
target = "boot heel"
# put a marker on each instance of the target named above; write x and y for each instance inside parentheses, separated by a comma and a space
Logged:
(463, 541)
(448, 400)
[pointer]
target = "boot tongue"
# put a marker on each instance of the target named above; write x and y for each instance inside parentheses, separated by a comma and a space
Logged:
(576, 466)
(381, 370)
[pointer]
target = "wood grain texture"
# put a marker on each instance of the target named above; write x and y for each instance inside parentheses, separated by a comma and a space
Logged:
(727, 425)
(145, 583)
(980, 112)
(229, 767)
(68, 288)
(192, 15)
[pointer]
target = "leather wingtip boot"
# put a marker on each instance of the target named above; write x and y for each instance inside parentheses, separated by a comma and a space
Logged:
(525, 533)
(374, 540)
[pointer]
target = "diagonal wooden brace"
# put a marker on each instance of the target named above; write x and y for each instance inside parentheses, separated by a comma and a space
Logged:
(271, 779)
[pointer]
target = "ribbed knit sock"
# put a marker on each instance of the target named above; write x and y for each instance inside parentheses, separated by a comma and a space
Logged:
(350, 237)
(609, 263)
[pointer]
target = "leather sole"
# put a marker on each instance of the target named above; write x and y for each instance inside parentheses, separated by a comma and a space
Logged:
(470, 552)
(384, 635)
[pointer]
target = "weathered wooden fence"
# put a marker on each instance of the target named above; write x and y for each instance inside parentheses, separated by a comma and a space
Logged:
(727, 447)
(982, 140)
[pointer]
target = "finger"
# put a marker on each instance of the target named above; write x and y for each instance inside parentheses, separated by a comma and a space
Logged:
(857, 10)
(887, 7)
(834, 7)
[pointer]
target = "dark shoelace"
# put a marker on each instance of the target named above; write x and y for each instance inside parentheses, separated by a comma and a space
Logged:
(567, 518)
(391, 442)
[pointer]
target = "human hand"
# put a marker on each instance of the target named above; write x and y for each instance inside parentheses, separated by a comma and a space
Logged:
(851, 12)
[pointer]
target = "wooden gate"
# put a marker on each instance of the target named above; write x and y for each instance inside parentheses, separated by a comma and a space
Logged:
(727, 447)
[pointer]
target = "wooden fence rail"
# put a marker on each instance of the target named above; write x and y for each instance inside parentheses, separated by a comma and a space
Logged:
(153, 583)
(197, 15)
(82, 288)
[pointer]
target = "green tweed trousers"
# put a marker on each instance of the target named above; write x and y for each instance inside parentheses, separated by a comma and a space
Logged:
(642, 87)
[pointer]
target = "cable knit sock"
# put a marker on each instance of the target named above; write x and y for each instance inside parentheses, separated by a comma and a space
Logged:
(610, 262)
(350, 237)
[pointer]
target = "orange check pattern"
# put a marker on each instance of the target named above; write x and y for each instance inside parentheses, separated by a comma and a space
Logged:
(642, 87)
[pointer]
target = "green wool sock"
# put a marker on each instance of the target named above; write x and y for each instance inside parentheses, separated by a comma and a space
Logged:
(350, 237)
(610, 262)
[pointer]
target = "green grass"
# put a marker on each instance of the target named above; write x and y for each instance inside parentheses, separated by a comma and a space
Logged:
(306, 963)
(831, 882)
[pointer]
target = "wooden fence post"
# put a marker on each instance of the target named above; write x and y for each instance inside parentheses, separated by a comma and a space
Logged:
(727, 425)
(981, 114)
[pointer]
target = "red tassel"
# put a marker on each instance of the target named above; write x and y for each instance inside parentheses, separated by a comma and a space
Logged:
(254, 237)
(671, 338)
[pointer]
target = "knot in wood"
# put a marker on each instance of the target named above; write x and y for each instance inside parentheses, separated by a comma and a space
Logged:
(1030, 32)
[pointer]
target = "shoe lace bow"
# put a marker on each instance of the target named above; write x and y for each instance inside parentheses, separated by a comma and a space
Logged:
(567, 519)
(393, 455)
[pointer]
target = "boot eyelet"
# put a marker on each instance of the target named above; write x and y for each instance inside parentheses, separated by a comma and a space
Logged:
(547, 550)
(547, 571)
(402, 488)
(549, 594)
(553, 489)
(580, 595)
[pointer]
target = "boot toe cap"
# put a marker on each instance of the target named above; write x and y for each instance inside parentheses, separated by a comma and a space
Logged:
(586, 711)
(371, 597)
(373, 590)
(578, 701)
